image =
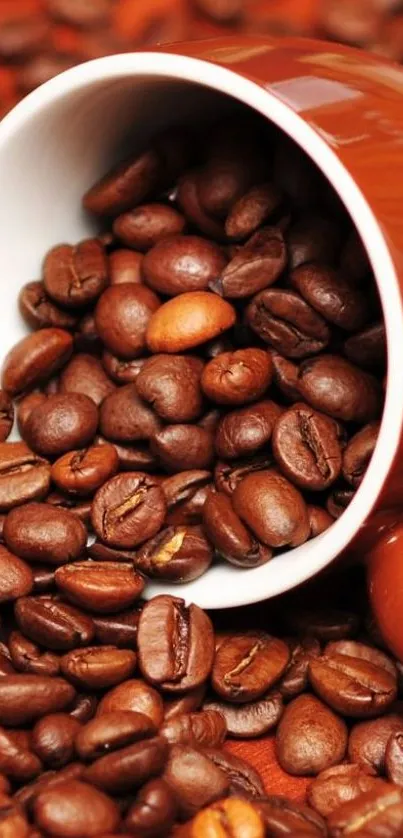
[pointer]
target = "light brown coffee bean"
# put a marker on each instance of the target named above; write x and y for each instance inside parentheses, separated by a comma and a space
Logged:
(187, 321)
(103, 587)
(53, 624)
(183, 263)
(204, 729)
(78, 807)
(16, 578)
(111, 731)
(76, 275)
(53, 739)
(34, 359)
(24, 698)
(310, 737)
(39, 532)
(95, 668)
(247, 665)
(134, 695)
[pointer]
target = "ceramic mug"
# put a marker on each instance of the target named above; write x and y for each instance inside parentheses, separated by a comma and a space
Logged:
(342, 106)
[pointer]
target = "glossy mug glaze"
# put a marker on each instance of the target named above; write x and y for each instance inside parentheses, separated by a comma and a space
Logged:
(342, 106)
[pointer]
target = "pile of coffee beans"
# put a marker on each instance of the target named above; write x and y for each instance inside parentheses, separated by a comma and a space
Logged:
(203, 381)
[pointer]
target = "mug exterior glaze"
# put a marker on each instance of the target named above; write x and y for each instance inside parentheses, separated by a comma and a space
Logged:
(342, 106)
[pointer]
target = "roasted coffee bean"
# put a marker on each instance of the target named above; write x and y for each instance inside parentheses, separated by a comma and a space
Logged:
(194, 779)
(188, 321)
(124, 417)
(171, 385)
(128, 509)
(94, 668)
(188, 199)
(77, 807)
(333, 385)
(64, 421)
(129, 767)
(337, 785)
(227, 817)
(16, 579)
(246, 721)
(85, 374)
(147, 225)
(183, 263)
(354, 679)
(175, 644)
(182, 447)
(125, 266)
(295, 678)
(6, 415)
(368, 742)
(86, 337)
(285, 376)
(210, 419)
(228, 475)
(273, 508)
(282, 816)
(310, 737)
(285, 321)
(24, 698)
(27, 657)
(118, 630)
(378, 812)
(184, 704)
(394, 758)
(237, 377)
(258, 264)
(40, 532)
(112, 731)
(134, 695)
(338, 501)
(121, 371)
(76, 275)
(244, 780)
(176, 554)
(185, 494)
(330, 294)
(26, 406)
(122, 315)
(53, 624)
(24, 475)
(242, 432)
(83, 708)
(357, 454)
(323, 623)
(204, 729)
(34, 359)
(53, 739)
(18, 763)
(80, 508)
(103, 587)
(252, 210)
(247, 665)
(319, 520)
(230, 537)
(367, 348)
(82, 472)
(312, 238)
(306, 447)
(102, 553)
(154, 810)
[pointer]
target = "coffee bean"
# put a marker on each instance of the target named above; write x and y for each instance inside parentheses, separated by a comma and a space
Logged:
(134, 695)
(234, 163)
(394, 758)
(125, 266)
(354, 258)
(124, 417)
(367, 348)
(129, 767)
(228, 534)
(82, 13)
(83, 708)
(125, 186)
(258, 264)
(310, 737)
(122, 315)
(53, 739)
(230, 817)
(244, 779)
(6, 415)
(85, 374)
(16, 579)
(189, 202)
(128, 509)
(242, 432)
(273, 509)
(18, 763)
(183, 263)
(53, 624)
(80, 508)
(333, 385)
(96, 668)
(380, 810)
(176, 554)
(13, 822)
(295, 678)
(337, 785)
(338, 501)
(194, 779)
(187, 321)
(306, 446)
(40, 532)
(312, 238)
(28, 657)
(330, 294)
(82, 472)
(288, 817)
(183, 704)
(40, 312)
(34, 359)
(112, 731)
(319, 520)
(285, 376)
(252, 210)
(323, 623)
(104, 587)
(247, 665)
(228, 475)
(86, 337)
(204, 729)
(77, 807)
(175, 644)
(153, 811)
(357, 454)
(26, 406)
(118, 630)
(237, 377)
(24, 698)
(76, 275)
(64, 421)
(285, 321)
(171, 385)
(147, 225)
(185, 494)
(368, 742)
(182, 447)
(353, 680)
(246, 721)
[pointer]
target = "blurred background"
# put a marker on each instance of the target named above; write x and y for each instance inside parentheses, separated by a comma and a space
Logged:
(40, 38)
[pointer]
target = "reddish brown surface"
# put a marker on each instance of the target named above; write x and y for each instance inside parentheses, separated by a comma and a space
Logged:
(261, 754)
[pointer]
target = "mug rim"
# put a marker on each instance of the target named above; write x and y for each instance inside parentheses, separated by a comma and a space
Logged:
(176, 65)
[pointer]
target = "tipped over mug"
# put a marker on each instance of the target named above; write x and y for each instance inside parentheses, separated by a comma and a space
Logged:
(341, 106)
